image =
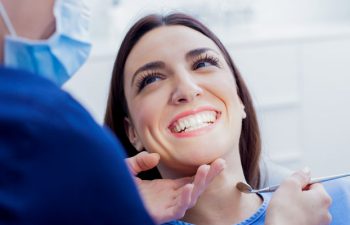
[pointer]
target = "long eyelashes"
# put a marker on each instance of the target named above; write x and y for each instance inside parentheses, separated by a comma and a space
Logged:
(147, 78)
(205, 58)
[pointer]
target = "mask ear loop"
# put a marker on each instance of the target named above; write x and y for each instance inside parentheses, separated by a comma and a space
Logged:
(7, 21)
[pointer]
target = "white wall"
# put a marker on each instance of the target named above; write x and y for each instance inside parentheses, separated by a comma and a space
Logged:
(326, 104)
(301, 11)
(301, 88)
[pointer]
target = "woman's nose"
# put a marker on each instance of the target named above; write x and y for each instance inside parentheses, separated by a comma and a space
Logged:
(185, 90)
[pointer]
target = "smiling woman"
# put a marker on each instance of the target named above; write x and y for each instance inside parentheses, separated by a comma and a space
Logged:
(198, 84)
(148, 78)
(175, 91)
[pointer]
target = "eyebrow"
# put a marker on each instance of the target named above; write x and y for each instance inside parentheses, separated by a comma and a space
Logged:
(195, 52)
(148, 66)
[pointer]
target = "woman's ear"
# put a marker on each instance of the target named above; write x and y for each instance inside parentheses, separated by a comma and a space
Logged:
(132, 135)
(244, 114)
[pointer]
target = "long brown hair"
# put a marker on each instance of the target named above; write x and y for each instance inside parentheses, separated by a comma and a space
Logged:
(117, 110)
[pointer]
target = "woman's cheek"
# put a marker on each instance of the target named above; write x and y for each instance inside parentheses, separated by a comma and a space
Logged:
(146, 114)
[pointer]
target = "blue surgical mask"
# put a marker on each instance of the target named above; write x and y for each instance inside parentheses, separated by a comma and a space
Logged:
(58, 57)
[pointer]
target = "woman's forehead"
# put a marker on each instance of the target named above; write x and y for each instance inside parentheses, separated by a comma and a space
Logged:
(172, 41)
(175, 37)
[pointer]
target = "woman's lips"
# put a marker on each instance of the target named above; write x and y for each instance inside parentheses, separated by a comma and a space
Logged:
(194, 122)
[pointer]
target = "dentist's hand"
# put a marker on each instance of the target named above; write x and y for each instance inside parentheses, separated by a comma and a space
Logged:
(167, 199)
(296, 203)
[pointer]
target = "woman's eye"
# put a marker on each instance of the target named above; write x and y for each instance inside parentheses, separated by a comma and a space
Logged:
(202, 64)
(205, 61)
(148, 79)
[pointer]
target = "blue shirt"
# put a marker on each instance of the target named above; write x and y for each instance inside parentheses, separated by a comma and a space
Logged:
(339, 190)
(57, 166)
(257, 218)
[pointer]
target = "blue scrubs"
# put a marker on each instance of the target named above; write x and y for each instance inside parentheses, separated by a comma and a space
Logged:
(57, 166)
(339, 190)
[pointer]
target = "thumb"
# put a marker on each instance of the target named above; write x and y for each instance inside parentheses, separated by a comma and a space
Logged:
(301, 178)
(142, 162)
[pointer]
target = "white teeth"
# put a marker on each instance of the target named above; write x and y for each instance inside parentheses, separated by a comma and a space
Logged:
(181, 124)
(194, 122)
(199, 119)
(187, 123)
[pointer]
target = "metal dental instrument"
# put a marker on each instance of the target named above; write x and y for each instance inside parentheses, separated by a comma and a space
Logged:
(246, 188)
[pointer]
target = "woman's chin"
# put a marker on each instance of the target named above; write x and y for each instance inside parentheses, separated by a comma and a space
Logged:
(200, 158)
(204, 152)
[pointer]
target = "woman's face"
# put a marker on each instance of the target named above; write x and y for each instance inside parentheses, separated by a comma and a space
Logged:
(182, 99)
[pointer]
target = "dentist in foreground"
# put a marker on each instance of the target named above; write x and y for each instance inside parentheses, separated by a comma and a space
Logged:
(57, 166)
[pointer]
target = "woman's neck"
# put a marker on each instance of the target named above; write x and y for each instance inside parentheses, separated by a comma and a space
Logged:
(221, 202)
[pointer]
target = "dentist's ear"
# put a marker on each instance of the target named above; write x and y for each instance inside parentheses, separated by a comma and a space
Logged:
(132, 135)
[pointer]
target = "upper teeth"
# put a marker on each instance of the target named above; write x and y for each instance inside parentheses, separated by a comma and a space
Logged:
(193, 122)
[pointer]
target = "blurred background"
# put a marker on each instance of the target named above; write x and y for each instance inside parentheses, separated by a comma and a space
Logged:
(293, 54)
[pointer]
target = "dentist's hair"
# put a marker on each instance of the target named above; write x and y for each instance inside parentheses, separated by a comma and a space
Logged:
(117, 109)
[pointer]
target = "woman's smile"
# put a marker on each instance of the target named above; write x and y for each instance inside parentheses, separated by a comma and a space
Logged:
(194, 122)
